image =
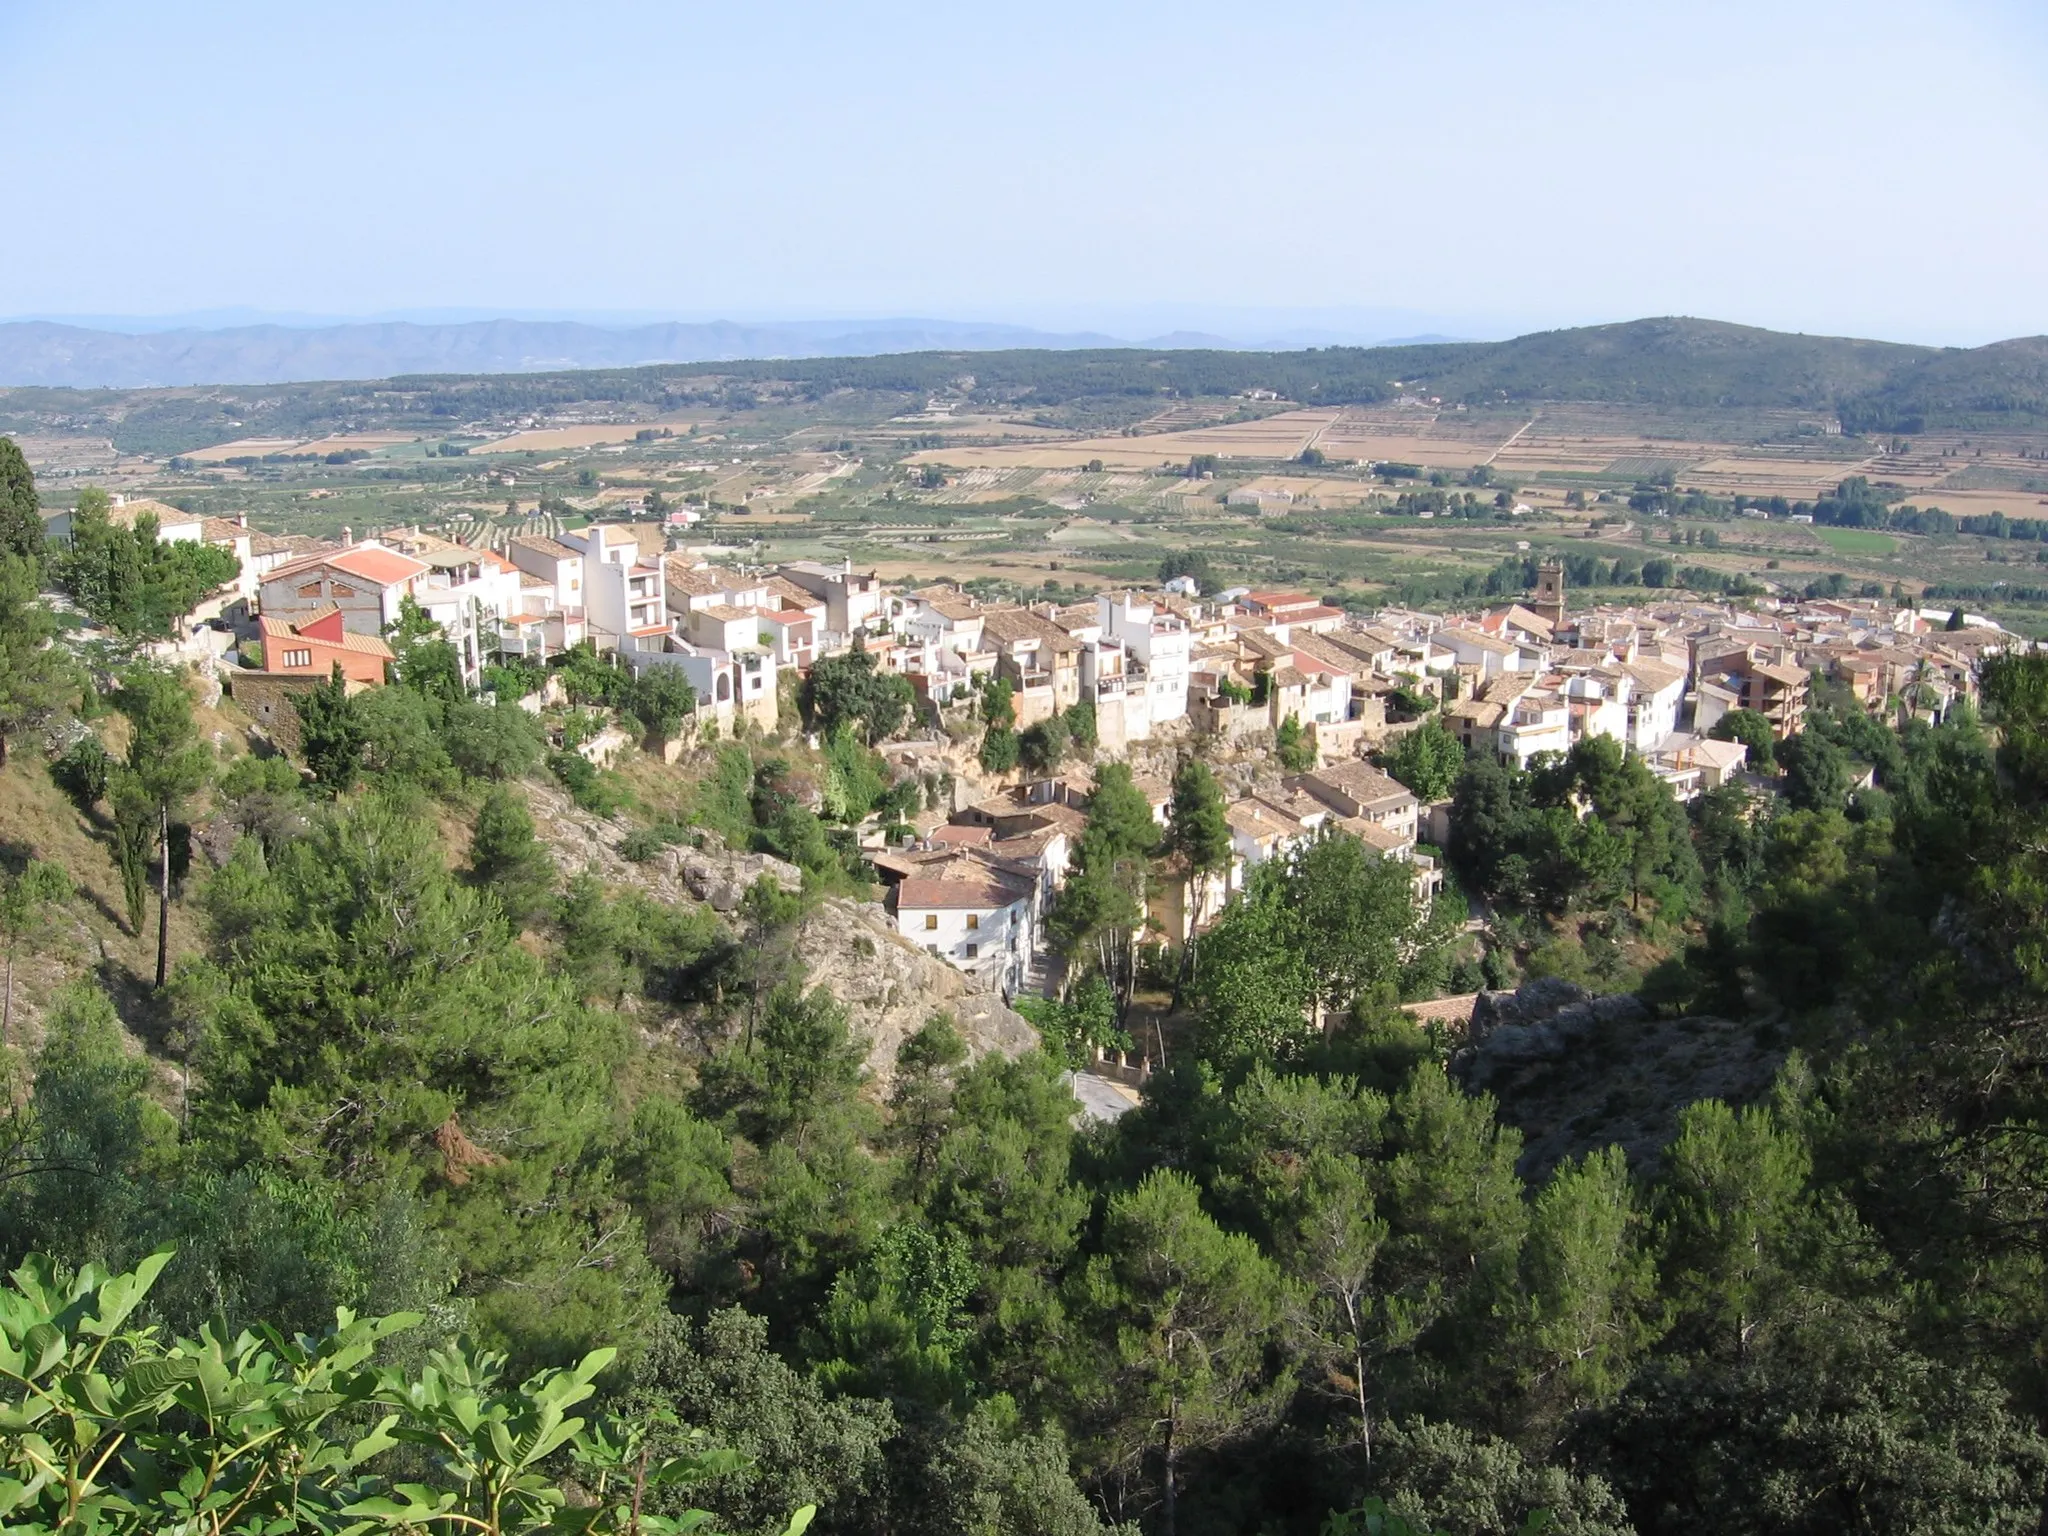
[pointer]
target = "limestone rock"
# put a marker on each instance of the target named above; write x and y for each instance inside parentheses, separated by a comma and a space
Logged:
(890, 987)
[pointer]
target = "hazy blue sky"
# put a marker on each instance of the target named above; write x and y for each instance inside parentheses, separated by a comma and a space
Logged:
(1878, 167)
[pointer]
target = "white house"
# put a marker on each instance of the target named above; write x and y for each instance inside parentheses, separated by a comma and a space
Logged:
(974, 913)
(627, 598)
(1155, 639)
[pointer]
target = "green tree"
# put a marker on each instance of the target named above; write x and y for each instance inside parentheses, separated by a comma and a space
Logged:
(423, 659)
(1817, 772)
(921, 1100)
(74, 1170)
(1081, 726)
(1587, 1287)
(1733, 1212)
(1043, 747)
(1192, 563)
(1189, 1308)
(895, 1326)
(1754, 732)
(1101, 908)
(1253, 980)
(1294, 746)
(28, 902)
(1428, 761)
(660, 698)
(124, 577)
(506, 859)
(799, 1443)
(21, 517)
(36, 676)
(849, 689)
(1359, 920)
(1198, 839)
(139, 1434)
(168, 764)
(330, 734)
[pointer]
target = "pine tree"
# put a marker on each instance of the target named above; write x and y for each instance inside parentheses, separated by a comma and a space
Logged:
(331, 734)
(35, 675)
(168, 764)
(21, 518)
(506, 859)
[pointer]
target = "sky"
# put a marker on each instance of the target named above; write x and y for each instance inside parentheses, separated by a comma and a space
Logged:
(1480, 168)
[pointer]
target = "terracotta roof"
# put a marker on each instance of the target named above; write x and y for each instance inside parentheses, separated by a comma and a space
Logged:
(1653, 675)
(1474, 638)
(1313, 615)
(1443, 1010)
(957, 836)
(286, 543)
(385, 567)
(1358, 781)
(1373, 835)
(166, 515)
(791, 595)
(554, 549)
(281, 629)
(962, 888)
(1255, 818)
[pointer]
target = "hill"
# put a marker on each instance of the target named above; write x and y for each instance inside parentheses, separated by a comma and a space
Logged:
(491, 370)
(48, 354)
(2004, 381)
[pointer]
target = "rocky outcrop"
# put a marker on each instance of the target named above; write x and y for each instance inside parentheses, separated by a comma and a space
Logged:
(890, 987)
(1573, 1070)
(721, 877)
(1545, 1020)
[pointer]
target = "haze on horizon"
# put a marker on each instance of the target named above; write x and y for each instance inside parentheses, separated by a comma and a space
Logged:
(1867, 169)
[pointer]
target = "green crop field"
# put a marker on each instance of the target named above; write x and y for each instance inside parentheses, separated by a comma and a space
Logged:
(1856, 541)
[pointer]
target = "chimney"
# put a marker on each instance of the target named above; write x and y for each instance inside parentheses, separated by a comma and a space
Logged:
(348, 536)
(241, 519)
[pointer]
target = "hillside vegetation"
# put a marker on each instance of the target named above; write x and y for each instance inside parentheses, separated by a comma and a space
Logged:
(1660, 362)
(371, 1161)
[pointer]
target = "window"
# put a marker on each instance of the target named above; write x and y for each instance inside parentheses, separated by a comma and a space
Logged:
(974, 951)
(974, 919)
(298, 658)
(931, 921)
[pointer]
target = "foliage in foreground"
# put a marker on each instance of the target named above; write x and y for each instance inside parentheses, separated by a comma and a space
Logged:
(107, 1427)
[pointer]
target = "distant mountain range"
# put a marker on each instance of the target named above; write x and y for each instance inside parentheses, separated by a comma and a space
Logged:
(306, 381)
(49, 353)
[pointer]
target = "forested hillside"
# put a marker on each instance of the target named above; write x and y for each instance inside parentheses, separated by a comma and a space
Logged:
(552, 1203)
(1874, 386)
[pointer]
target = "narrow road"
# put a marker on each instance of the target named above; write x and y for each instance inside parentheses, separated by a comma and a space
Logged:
(1101, 1099)
(1504, 447)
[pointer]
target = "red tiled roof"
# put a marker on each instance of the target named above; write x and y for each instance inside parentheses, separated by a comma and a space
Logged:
(280, 629)
(384, 567)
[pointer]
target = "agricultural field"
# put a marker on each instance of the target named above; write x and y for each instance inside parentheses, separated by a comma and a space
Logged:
(1856, 541)
(924, 484)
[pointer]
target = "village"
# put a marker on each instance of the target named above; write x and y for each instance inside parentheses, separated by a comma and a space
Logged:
(1299, 702)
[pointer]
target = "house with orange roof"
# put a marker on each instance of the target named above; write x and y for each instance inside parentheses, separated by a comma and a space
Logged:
(366, 583)
(315, 644)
